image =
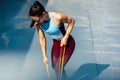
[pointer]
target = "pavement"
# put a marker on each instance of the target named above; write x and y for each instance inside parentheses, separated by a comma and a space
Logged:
(96, 32)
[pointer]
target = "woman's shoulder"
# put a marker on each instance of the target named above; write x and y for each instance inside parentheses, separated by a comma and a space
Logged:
(57, 15)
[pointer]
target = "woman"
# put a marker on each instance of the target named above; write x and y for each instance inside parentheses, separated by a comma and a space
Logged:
(53, 24)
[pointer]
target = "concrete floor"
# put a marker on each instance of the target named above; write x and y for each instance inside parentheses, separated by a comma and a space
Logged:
(96, 32)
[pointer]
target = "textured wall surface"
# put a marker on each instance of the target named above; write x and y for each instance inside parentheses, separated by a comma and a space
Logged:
(96, 32)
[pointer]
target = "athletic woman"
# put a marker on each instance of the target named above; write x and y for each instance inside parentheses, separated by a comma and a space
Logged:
(52, 23)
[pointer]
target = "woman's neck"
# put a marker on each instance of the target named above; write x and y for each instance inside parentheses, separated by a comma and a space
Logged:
(47, 16)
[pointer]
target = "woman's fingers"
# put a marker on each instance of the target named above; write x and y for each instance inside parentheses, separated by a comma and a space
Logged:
(36, 24)
(63, 43)
(45, 61)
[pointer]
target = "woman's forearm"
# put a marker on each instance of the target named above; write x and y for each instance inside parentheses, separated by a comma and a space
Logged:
(69, 29)
(42, 39)
(43, 46)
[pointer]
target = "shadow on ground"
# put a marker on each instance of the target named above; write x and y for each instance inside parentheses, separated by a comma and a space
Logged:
(89, 71)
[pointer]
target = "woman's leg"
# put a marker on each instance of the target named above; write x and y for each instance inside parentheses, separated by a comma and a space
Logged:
(56, 57)
(69, 49)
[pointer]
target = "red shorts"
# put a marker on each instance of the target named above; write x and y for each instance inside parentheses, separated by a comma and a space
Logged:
(56, 51)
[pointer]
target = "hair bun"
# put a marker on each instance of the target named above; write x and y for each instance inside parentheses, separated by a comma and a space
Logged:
(36, 5)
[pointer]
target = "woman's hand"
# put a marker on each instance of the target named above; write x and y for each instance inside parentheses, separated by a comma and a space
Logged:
(45, 60)
(63, 41)
(36, 24)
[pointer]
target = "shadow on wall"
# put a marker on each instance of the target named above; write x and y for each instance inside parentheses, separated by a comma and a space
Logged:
(89, 71)
(15, 37)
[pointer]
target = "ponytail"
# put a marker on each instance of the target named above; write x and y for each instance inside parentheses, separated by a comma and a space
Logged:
(36, 9)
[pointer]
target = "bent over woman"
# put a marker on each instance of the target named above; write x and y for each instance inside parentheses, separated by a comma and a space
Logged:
(52, 23)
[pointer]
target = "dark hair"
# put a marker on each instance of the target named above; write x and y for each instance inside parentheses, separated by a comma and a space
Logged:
(36, 9)
(32, 23)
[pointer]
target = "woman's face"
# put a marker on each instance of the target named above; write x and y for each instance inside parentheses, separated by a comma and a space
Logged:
(37, 18)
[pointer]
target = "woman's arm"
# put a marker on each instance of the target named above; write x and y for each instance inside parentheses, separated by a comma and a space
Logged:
(62, 18)
(42, 40)
(70, 21)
